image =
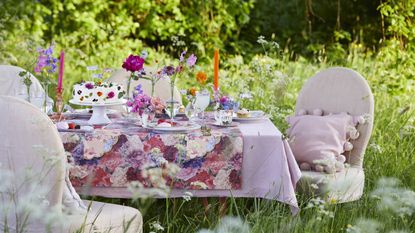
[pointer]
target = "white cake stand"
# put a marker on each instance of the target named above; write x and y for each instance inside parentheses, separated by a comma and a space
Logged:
(99, 113)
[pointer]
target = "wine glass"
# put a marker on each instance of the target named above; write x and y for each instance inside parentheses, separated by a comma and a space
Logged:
(190, 111)
(202, 101)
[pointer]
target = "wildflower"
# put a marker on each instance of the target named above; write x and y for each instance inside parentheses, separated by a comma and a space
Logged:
(156, 226)
(191, 60)
(261, 40)
(187, 196)
(181, 59)
(168, 70)
(201, 77)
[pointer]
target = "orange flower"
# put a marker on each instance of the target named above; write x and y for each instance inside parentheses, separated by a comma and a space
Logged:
(201, 77)
(192, 91)
(99, 93)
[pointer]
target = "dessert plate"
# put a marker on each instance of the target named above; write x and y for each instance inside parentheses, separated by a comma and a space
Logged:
(255, 115)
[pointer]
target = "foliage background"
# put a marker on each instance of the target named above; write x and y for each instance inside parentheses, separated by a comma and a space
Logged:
(374, 37)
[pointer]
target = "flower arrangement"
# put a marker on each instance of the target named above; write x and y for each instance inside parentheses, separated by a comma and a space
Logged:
(141, 102)
(45, 65)
(226, 103)
(173, 72)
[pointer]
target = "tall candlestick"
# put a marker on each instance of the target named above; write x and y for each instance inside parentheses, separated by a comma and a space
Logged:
(61, 63)
(216, 70)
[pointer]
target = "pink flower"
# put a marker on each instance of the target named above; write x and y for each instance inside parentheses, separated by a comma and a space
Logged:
(41, 63)
(133, 63)
(191, 60)
(158, 105)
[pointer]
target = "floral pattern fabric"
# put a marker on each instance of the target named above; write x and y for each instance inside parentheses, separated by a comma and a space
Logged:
(116, 157)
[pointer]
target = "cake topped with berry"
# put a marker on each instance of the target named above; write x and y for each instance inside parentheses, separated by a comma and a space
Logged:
(97, 92)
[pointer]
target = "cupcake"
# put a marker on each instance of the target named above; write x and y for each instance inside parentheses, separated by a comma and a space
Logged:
(243, 113)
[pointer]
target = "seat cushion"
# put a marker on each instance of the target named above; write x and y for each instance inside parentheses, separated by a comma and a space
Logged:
(105, 217)
(339, 187)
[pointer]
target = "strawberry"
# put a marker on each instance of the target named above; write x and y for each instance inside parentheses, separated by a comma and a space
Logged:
(71, 125)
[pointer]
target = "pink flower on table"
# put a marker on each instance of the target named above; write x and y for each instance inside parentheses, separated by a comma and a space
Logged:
(158, 105)
(133, 63)
(111, 95)
(214, 167)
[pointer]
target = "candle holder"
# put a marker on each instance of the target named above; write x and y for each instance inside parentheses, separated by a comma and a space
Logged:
(59, 105)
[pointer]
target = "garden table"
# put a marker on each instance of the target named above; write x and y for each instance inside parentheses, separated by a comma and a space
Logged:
(250, 160)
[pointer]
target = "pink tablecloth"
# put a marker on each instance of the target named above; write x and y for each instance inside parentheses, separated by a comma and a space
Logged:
(269, 170)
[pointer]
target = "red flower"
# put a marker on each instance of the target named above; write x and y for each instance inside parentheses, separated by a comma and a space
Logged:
(133, 63)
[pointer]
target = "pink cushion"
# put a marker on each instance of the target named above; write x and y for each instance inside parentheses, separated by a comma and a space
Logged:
(318, 138)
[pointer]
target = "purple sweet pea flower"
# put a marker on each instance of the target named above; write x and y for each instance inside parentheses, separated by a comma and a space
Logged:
(223, 99)
(41, 63)
(138, 89)
(191, 60)
(181, 59)
(179, 68)
(133, 63)
(168, 70)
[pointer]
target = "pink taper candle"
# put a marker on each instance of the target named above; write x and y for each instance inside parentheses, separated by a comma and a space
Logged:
(61, 63)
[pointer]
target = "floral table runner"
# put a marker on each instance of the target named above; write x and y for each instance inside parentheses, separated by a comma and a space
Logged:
(116, 156)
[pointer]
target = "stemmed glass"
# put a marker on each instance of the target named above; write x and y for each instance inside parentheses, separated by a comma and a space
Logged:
(202, 101)
(172, 108)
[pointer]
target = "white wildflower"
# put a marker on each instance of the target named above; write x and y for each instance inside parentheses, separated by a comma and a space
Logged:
(187, 196)
(261, 40)
(156, 226)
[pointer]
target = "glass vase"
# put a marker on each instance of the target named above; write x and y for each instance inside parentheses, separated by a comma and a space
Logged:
(45, 97)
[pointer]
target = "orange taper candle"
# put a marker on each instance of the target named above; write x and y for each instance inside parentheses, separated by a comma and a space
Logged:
(216, 70)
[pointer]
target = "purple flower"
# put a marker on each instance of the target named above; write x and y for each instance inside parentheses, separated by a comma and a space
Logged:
(89, 86)
(191, 60)
(133, 63)
(111, 95)
(138, 89)
(223, 99)
(46, 60)
(181, 59)
(168, 70)
(41, 63)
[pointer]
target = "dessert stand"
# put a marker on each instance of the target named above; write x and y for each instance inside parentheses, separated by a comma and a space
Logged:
(99, 113)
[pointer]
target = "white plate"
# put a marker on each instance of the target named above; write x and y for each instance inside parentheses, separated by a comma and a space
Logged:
(233, 124)
(183, 128)
(254, 116)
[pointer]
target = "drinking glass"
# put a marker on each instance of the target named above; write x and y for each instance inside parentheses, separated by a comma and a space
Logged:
(190, 111)
(202, 101)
